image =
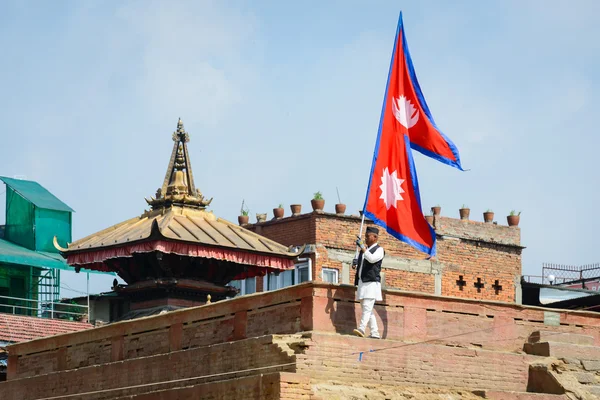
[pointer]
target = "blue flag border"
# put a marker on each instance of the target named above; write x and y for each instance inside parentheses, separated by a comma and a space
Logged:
(431, 251)
(421, 99)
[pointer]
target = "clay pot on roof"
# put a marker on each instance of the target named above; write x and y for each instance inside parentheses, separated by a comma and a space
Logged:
(340, 209)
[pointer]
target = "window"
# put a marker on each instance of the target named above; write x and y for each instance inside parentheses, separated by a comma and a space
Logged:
(281, 280)
(287, 278)
(329, 275)
(271, 282)
(250, 285)
(237, 285)
(245, 286)
(302, 273)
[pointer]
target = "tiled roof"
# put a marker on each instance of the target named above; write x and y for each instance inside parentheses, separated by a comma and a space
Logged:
(18, 328)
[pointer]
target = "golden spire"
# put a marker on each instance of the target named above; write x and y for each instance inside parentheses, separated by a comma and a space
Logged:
(178, 186)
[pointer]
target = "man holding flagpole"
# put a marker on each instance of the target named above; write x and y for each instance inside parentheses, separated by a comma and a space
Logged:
(368, 280)
(393, 200)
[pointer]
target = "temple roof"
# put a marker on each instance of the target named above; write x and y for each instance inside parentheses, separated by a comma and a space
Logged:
(178, 223)
(183, 225)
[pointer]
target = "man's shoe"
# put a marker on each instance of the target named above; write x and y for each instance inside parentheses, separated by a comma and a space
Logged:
(374, 337)
(358, 332)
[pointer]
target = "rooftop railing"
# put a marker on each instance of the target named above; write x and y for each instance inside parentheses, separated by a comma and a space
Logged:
(42, 308)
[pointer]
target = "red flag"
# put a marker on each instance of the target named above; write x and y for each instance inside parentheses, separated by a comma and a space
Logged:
(425, 136)
(393, 199)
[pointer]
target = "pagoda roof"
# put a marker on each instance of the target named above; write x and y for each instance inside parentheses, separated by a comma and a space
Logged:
(179, 224)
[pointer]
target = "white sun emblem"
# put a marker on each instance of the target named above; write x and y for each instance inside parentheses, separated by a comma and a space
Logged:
(391, 190)
(405, 112)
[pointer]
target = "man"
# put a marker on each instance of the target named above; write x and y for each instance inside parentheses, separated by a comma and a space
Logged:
(368, 279)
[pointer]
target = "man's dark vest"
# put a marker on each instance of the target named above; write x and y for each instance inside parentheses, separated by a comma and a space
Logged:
(370, 272)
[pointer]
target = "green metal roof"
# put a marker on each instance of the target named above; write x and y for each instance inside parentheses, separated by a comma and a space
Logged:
(37, 194)
(11, 253)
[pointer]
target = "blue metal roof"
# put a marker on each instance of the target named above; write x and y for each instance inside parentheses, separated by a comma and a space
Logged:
(37, 194)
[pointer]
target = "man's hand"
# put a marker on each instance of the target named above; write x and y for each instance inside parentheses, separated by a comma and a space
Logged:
(354, 263)
(360, 243)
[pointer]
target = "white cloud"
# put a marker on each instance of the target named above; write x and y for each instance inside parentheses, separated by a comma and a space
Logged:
(190, 56)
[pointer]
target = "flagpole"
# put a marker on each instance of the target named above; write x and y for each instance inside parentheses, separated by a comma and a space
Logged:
(362, 223)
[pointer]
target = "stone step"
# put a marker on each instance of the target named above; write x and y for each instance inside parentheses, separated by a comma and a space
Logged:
(593, 389)
(264, 386)
(499, 395)
(246, 357)
(563, 350)
(562, 337)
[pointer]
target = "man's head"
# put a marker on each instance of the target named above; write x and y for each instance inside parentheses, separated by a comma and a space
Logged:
(372, 234)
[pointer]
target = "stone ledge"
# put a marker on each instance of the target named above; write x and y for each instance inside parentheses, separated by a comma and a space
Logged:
(562, 337)
(391, 262)
(563, 350)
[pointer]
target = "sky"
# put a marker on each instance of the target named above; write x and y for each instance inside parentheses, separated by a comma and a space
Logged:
(283, 99)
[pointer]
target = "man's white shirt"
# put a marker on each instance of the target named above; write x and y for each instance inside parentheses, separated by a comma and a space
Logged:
(369, 290)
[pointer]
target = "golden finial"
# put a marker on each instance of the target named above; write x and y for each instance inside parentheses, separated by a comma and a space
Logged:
(180, 135)
(178, 186)
(208, 297)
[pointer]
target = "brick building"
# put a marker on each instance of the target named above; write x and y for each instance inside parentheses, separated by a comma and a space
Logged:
(474, 260)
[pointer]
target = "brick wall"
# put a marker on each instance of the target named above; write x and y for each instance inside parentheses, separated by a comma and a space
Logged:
(310, 306)
(486, 261)
(458, 322)
(200, 365)
(407, 280)
(465, 248)
(277, 386)
(289, 231)
(445, 341)
(238, 318)
(261, 387)
(327, 357)
(227, 370)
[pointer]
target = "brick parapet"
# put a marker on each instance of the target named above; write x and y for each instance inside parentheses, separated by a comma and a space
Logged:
(346, 227)
(247, 316)
(478, 231)
(154, 372)
(407, 316)
(289, 231)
